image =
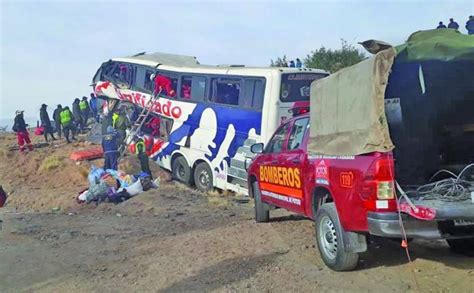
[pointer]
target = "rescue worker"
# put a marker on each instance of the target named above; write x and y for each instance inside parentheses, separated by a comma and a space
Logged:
(164, 85)
(57, 119)
(452, 24)
(120, 124)
(85, 110)
(19, 126)
(143, 157)
(67, 123)
(470, 25)
(46, 123)
(93, 107)
(76, 113)
(441, 25)
(110, 143)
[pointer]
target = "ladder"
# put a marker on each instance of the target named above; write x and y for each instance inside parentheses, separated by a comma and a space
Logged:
(137, 125)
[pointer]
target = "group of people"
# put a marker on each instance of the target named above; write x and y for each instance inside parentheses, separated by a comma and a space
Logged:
(297, 64)
(66, 122)
(454, 25)
(69, 122)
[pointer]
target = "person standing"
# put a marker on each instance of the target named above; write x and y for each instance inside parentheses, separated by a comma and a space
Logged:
(85, 110)
(299, 64)
(440, 25)
(57, 119)
(76, 114)
(19, 126)
(470, 25)
(46, 123)
(93, 106)
(292, 63)
(452, 24)
(143, 158)
(110, 145)
(67, 123)
(120, 123)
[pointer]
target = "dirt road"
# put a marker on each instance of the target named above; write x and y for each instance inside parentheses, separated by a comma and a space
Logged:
(175, 239)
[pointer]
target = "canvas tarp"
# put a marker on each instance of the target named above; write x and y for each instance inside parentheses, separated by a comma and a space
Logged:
(347, 109)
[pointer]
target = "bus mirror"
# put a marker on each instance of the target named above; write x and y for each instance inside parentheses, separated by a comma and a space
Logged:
(257, 148)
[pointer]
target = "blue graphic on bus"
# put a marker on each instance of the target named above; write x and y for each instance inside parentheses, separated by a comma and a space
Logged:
(242, 121)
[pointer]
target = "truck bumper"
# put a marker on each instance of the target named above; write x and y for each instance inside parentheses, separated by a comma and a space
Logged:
(388, 225)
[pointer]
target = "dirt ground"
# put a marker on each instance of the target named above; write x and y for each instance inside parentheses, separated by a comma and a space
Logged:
(175, 239)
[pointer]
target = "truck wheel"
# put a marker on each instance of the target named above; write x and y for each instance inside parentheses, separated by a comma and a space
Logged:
(181, 170)
(262, 210)
(330, 240)
(203, 177)
(462, 246)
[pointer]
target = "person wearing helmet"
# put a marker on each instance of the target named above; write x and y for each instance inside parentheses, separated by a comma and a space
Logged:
(46, 123)
(57, 119)
(164, 85)
(19, 127)
(143, 158)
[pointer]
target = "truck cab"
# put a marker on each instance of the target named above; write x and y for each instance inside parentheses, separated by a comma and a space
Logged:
(348, 197)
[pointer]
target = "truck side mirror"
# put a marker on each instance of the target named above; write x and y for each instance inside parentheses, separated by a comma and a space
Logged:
(257, 148)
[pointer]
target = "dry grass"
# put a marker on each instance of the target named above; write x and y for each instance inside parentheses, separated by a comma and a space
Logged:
(50, 163)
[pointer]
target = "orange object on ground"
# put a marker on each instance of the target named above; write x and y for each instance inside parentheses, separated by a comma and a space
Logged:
(89, 154)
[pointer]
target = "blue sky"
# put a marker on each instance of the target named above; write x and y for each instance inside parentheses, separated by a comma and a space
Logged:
(50, 50)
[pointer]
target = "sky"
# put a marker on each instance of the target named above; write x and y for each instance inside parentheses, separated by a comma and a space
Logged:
(50, 50)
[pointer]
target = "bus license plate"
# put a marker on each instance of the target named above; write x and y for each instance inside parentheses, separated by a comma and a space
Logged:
(463, 223)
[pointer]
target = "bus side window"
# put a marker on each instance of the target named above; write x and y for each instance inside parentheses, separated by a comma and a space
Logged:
(225, 91)
(157, 126)
(142, 79)
(193, 88)
(252, 95)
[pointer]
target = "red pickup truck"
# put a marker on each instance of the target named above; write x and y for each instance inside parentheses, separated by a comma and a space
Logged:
(348, 197)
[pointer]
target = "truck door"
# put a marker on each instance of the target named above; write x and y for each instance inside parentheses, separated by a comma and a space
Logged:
(294, 158)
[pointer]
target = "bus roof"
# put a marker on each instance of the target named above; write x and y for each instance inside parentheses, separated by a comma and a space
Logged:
(191, 64)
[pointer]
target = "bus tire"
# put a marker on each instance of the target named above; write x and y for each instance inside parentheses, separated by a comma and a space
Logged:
(262, 210)
(462, 246)
(203, 177)
(181, 170)
(330, 240)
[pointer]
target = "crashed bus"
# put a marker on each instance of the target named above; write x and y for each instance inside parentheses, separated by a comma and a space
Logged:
(386, 150)
(205, 118)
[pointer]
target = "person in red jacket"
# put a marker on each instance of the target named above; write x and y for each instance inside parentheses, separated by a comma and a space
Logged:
(22, 136)
(164, 85)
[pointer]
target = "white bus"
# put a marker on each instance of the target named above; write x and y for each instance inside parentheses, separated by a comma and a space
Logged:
(206, 117)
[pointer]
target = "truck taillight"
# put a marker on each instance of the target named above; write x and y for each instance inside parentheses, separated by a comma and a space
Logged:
(378, 184)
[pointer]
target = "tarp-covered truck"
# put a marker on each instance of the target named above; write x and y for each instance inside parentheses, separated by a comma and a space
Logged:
(387, 150)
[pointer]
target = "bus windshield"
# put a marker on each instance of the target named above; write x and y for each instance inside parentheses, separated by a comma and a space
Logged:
(296, 86)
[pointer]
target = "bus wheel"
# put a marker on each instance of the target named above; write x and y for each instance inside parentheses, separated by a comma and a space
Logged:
(181, 170)
(203, 177)
(330, 239)
(462, 246)
(262, 210)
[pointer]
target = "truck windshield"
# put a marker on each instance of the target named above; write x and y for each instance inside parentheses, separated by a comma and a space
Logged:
(296, 86)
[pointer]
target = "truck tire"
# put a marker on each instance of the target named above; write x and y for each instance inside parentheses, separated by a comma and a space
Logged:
(330, 240)
(462, 246)
(262, 210)
(181, 170)
(203, 177)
